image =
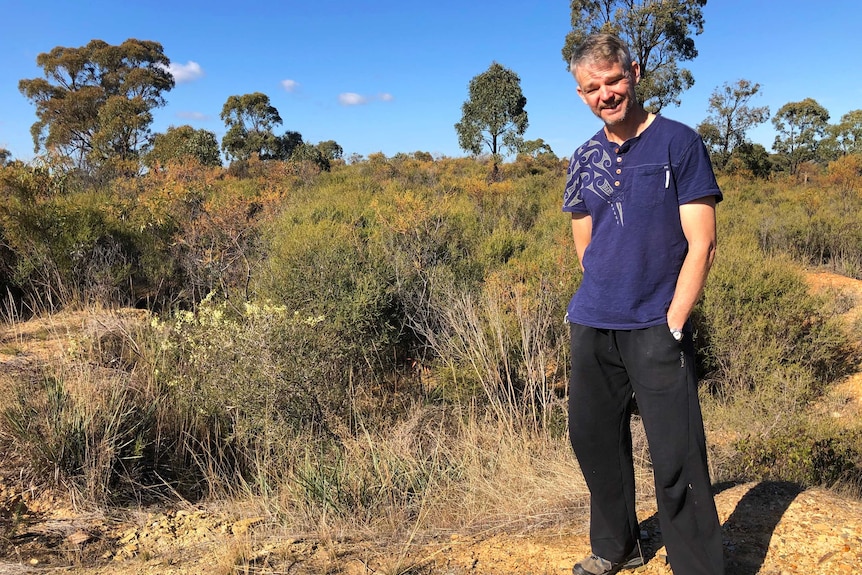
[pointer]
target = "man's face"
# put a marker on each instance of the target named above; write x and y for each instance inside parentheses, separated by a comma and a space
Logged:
(607, 89)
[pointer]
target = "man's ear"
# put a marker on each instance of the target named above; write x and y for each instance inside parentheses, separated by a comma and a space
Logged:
(636, 73)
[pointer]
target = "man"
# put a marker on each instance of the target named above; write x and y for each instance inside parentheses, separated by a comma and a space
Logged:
(642, 197)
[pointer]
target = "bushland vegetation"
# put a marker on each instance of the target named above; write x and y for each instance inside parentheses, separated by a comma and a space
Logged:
(381, 346)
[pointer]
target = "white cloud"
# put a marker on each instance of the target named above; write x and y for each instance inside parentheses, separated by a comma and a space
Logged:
(290, 85)
(185, 72)
(354, 99)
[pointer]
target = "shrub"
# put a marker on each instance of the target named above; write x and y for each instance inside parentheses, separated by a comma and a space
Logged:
(70, 249)
(811, 455)
(327, 268)
(762, 328)
(817, 224)
(243, 381)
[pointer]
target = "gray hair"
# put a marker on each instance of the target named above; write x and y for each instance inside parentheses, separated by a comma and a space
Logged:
(601, 48)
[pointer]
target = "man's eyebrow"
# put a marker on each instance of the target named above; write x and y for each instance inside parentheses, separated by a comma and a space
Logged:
(596, 81)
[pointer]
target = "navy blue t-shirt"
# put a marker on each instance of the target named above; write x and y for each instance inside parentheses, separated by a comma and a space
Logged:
(633, 192)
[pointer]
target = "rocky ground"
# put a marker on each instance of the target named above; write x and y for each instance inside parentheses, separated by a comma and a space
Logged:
(770, 528)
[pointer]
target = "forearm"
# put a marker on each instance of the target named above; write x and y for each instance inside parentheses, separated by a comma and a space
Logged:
(690, 284)
(582, 230)
(698, 225)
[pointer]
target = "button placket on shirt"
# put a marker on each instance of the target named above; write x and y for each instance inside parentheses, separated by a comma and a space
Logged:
(619, 167)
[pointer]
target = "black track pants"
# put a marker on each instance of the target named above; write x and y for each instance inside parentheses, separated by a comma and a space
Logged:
(608, 366)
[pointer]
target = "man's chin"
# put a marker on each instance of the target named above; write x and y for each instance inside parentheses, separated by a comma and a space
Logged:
(617, 117)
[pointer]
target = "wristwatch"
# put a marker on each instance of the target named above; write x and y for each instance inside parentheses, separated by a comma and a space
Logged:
(677, 334)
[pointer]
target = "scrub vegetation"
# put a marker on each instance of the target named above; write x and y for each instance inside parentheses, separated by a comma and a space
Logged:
(381, 346)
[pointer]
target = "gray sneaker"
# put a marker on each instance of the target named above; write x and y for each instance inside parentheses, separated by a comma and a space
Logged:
(595, 565)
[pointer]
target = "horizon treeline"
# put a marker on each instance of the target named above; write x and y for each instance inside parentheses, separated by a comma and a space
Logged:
(94, 110)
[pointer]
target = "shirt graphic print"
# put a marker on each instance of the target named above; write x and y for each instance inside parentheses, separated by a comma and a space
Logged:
(592, 174)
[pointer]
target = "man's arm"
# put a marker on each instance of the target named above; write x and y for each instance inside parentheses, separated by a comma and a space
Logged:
(582, 231)
(698, 225)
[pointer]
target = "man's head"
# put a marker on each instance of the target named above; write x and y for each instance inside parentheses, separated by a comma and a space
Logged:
(606, 77)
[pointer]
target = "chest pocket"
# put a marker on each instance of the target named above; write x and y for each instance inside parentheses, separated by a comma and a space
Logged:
(649, 186)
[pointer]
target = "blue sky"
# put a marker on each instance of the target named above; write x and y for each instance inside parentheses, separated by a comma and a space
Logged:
(391, 75)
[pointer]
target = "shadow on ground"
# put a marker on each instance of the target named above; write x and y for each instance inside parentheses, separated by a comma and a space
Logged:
(749, 528)
(746, 532)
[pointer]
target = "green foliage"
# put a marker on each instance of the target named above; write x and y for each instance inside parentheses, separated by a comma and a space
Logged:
(846, 136)
(309, 311)
(181, 144)
(501, 246)
(493, 116)
(289, 143)
(27, 184)
(250, 120)
(241, 380)
(810, 455)
(330, 150)
(325, 268)
(658, 33)
(818, 225)
(750, 158)
(94, 103)
(769, 348)
(537, 149)
(162, 239)
(764, 333)
(306, 153)
(724, 130)
(68, 248)
(800, 126)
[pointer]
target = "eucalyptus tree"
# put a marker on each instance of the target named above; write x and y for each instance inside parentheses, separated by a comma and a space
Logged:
(94, 104)
(493, 117)
(312, 154)
(250, 120)
(330, 149)
(800, 126)
(751, 157)
(730, 117)
(847, 134)
(536, 148)
(659, 34)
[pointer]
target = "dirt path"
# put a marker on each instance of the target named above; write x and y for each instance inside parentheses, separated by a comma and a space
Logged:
(770, 528)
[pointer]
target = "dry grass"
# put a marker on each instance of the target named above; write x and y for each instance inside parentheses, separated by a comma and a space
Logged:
(436, 469)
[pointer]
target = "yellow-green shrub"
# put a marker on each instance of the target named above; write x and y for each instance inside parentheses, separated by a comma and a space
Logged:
(758, 322)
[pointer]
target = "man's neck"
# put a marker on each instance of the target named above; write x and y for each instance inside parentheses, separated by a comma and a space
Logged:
(635, 123)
